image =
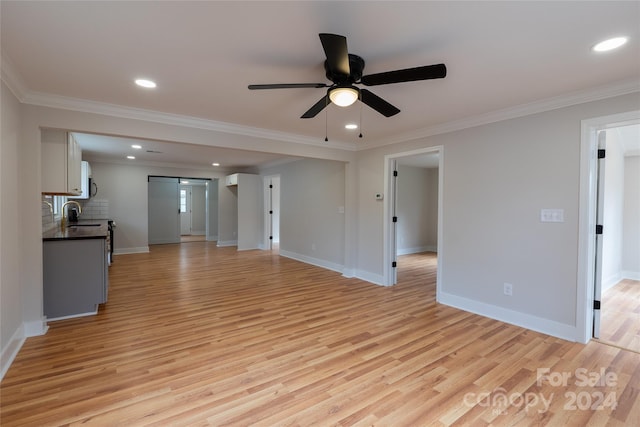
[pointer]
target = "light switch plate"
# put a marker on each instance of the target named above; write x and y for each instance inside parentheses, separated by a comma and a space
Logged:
(551, 215)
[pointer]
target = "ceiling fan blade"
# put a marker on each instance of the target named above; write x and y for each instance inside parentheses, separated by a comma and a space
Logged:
(378, 104)
(335, 48)
(317, 107)
(437, 71)
(288, 86)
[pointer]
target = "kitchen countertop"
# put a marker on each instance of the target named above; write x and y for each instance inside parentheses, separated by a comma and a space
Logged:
(84, 229)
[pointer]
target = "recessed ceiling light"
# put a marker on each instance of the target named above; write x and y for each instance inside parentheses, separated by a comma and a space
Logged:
(351, 126)
(136, 147)
(131, 157)
(184, 181)
(215, 164)
(609, 44)
(149, 84)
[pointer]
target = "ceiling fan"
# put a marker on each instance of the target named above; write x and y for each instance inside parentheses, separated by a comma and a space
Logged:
(345, 70)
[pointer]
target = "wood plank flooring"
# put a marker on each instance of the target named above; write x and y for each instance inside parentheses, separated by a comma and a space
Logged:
(620, 321)
(199, 335)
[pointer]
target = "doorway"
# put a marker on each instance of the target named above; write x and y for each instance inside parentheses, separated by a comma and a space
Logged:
(417, 213)
(181, 209)
(601, 235)
(193, 209)
(413, 210)
(619, 269)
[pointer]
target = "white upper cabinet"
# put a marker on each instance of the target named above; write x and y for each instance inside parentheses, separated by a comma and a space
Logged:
(231, 180)
(61, 159)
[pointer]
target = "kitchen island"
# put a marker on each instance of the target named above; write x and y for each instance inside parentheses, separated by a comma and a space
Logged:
(75, 269)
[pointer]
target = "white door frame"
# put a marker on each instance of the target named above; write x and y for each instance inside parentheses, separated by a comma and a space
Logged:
(388, 244)
(587, 215)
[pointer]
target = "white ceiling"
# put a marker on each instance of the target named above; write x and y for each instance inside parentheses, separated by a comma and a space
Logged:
(499, 55)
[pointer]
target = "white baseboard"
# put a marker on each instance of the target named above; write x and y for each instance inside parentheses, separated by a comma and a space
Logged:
(376, 279)
(140, 250)
(348, 273)
(313, 261)
(24, 331)
(224, 243)
(534, 323)
(631, 275)
(11, 350)
(73, 316)
(611, 281)
(416, 250)
(36, 328)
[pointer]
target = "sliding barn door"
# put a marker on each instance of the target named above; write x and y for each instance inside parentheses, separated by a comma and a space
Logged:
(164, 210)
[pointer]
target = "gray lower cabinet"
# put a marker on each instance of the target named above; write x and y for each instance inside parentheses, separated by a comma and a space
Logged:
(76, 276)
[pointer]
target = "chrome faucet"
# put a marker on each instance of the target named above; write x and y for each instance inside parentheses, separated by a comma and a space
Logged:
(64, 218)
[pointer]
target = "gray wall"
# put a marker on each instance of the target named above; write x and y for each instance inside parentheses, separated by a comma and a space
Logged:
(613, 211)
(417, 209)
(198, 209)
(125, 187)
(11, 263)
(213, 210)
(631, 219)
(311, 225)
(496, 179)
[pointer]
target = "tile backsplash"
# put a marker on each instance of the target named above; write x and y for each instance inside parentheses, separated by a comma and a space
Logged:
(48, 221)
(92, 209)
(95, 209)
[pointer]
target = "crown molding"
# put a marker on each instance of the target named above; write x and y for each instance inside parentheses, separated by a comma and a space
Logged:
(16, 84)
(154, 164)
(12, 78)
(87, 106)
(574, 98)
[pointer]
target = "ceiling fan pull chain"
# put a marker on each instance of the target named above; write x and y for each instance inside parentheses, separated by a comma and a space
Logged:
(326, 121)
(360, 136)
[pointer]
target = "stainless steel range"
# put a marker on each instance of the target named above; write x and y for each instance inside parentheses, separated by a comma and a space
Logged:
(110, 242)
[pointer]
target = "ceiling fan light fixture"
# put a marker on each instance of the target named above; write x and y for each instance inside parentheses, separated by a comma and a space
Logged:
(343, 96)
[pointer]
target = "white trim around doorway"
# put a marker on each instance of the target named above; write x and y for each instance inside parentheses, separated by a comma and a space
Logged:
(587, 216)
(388, 246)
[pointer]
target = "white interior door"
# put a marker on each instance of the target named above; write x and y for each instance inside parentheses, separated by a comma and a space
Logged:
(597, 286)
(185, 210)
(163, 203)
(276, 209)
(394, 220)
(272, 210)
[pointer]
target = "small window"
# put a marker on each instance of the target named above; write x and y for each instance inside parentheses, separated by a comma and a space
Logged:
(183, 201)
(58, 201)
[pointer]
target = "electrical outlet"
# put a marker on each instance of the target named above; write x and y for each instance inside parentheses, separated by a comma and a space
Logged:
(508, 289)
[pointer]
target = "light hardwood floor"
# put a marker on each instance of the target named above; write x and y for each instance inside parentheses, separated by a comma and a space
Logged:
(187, 238)
(620, 321)
(198, 335)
